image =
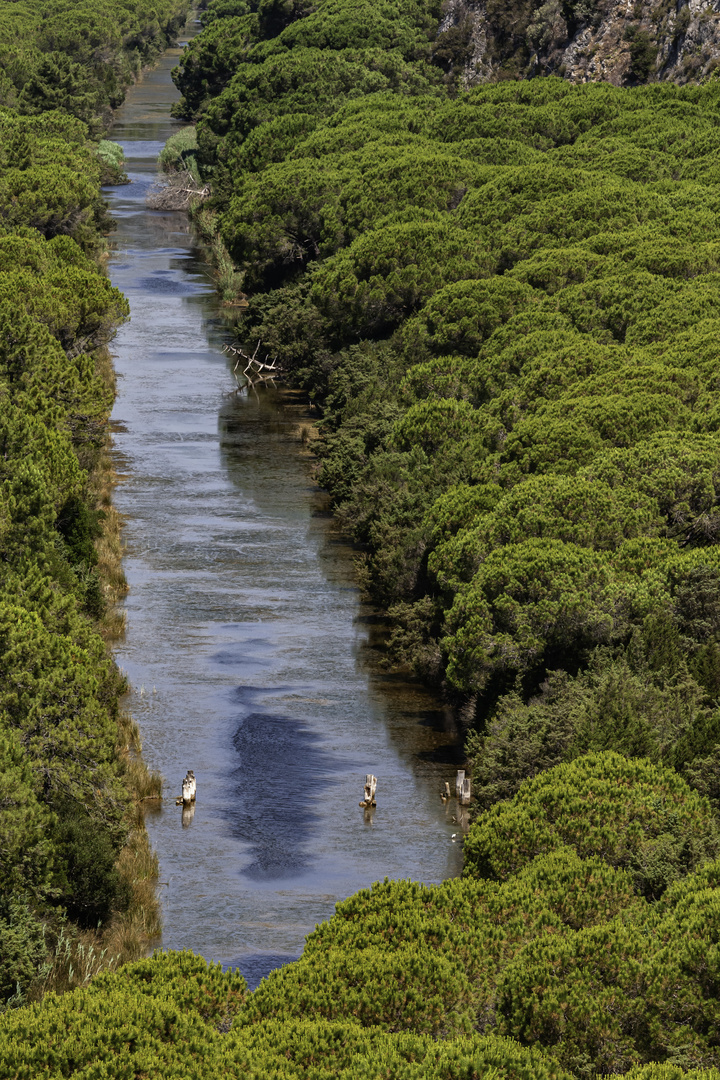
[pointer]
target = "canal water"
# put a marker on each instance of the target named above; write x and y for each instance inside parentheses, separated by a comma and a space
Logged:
(247, 646)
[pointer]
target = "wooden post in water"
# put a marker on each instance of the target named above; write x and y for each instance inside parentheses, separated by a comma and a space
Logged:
(188, 788)
(370, 786)
(465, 792)
(459, 781)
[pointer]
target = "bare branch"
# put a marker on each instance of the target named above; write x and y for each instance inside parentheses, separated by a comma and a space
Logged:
(255, 370)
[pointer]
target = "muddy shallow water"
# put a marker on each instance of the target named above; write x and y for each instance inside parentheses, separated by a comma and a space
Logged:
(247, 646)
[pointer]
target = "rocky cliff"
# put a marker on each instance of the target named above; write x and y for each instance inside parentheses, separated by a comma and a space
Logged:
(583, 40)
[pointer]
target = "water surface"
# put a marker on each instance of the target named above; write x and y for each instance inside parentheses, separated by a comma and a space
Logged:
(247, 645)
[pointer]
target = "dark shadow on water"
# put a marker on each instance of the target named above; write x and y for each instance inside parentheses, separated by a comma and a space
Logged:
(248, 695)
(451, 755)
(282, 770)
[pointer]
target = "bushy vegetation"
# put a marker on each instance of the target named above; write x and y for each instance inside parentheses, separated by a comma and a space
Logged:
(112, 160)
(504, 305)
(79, 57)
(71, 846)
(180, 152)
(580, 941)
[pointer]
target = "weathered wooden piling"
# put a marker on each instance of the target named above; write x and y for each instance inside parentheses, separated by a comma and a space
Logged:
(189, 788)
(370, 786)
(465, 792)
(459, 781)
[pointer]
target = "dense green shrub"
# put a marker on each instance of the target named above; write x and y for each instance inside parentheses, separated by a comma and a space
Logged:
(63, 801)
(112, 160)
(629, 812)
(92, 888)
(79, 58)
(547, 334)
(153, 1017)
(180, 152)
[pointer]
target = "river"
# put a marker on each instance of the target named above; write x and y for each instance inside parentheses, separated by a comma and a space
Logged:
(249, 652)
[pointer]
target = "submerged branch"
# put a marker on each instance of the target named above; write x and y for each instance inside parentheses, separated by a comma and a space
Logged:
(255, 370)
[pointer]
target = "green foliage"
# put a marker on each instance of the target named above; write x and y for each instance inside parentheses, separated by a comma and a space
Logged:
(514, 307)
(79, 527)
(151, 1017)
(184, 978)
(632, 814)
(78, 58)
(562, 954)
(49, 178)
(180, 153)
(412, 989)
(112, 160)
(64, 806)
(26, 850)
(209, 62)
(23, 949)
(618, 703)
(529, 602)
(642, 52)
(503, 303)
(388, 273)
(91, 885)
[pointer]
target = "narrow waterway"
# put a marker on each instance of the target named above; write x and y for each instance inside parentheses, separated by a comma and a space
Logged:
(247, 646)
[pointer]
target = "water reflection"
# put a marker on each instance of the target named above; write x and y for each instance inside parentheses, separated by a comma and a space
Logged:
(244, 616)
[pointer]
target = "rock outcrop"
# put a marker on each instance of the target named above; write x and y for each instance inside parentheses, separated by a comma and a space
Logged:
(582, 40)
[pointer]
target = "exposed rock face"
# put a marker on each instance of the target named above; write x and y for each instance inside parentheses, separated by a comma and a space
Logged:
(583, 40)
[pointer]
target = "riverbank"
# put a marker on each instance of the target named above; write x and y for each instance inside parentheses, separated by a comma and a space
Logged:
(75, 890)
(81, 954)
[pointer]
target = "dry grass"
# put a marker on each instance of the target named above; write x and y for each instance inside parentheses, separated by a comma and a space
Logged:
(101, 483)
(144, 784)
(77, 956)
(205, 223)
(307, 434)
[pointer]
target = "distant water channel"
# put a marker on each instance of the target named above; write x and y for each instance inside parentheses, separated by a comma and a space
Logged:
(247, 646)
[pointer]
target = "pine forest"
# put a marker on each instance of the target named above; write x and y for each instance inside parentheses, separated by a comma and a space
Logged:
(496, 281)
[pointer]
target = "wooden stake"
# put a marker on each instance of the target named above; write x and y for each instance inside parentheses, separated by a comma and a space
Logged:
(189, 788)
(459, 780)
(465, 792)
(370, 786)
